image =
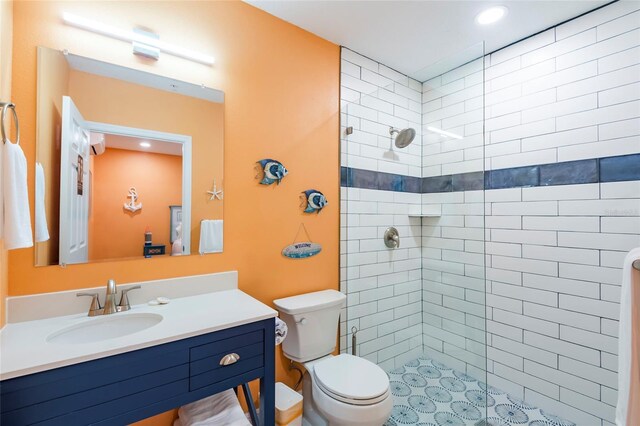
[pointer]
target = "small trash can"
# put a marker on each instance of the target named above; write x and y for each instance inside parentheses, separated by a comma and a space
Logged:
(288, 406)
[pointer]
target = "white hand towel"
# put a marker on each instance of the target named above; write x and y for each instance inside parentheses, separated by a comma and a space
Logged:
(220, 409)
(210, 236)
(42, 231)
(17, 218)
(281, 331)
(628, 408)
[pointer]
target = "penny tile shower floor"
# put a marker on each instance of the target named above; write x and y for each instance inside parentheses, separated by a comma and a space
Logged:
(428, 393)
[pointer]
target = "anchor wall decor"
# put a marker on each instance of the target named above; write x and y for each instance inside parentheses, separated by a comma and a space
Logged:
(131, 205)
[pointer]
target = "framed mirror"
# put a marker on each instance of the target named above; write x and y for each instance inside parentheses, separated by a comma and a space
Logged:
(118, 154)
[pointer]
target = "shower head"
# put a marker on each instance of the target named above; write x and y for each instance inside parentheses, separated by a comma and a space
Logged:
(404, 137)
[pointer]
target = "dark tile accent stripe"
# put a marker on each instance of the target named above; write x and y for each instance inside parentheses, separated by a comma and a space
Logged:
(412, 184)
(460, 182)
(367, 179)
(467, 181)
(606, 169)
(569, 173)
(617, 169)
(511, 178)
(436, 184)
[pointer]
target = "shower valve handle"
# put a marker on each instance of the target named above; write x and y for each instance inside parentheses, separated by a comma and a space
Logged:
(392, 238)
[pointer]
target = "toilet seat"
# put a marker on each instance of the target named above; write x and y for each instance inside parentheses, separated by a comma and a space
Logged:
(352, 380)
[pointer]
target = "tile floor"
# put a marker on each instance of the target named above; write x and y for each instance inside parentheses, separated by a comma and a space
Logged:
(428, 393)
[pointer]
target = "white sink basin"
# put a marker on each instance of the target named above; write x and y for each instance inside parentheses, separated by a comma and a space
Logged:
(104, 328)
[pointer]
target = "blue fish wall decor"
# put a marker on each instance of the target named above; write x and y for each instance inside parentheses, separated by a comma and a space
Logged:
(274, 171)
(315, 201)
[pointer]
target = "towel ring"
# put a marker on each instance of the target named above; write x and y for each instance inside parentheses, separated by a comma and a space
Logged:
(12, 107)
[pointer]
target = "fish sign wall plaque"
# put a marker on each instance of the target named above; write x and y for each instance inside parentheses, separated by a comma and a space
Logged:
(303, 249)
(313, 201)
(271, 171)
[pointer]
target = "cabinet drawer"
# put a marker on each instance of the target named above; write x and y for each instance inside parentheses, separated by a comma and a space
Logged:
(228, 344)
(205, 367)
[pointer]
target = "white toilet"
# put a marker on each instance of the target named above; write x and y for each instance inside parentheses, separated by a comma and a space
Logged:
(338, 390)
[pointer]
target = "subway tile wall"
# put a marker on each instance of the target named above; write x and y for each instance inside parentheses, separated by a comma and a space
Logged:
(569, 93)
(383, 286)
(553, 253)
(373, 99)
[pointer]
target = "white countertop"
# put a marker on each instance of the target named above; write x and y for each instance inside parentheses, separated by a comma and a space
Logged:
(24, 348)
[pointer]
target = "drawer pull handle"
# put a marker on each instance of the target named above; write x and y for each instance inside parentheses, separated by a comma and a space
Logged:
(229, 359)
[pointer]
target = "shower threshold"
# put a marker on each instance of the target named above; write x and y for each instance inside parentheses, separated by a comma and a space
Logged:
(429, 393)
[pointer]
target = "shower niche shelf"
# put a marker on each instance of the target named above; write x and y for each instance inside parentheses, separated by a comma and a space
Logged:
(427, 211)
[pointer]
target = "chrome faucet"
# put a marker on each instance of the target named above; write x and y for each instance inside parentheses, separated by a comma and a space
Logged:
(95, 308)
(110, 306)
(124, 305)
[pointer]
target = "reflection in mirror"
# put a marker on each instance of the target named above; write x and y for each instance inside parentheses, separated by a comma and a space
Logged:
(115, 169)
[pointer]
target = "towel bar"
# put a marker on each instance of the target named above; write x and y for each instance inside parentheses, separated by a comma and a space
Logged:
(5, 106)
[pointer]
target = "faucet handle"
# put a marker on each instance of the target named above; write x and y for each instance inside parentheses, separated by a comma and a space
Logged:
(396, 238)
(95, 307)
(124, 298)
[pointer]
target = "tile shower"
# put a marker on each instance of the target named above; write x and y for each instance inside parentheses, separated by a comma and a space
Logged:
(512, 237)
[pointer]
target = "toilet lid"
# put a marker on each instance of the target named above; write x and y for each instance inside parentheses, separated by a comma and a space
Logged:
(352, 378)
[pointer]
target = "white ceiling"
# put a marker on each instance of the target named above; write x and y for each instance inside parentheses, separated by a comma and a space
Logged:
(422, 38)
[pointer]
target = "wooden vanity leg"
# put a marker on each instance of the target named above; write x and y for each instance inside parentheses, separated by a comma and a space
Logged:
(267, 414)
(252, 407)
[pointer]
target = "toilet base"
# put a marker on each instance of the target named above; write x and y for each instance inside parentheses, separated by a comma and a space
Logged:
(312, 415)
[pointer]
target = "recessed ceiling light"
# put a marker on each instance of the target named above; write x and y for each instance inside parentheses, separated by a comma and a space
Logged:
(145, 144)
(491, 15)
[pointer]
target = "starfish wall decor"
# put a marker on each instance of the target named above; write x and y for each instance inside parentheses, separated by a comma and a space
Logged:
(215, 193)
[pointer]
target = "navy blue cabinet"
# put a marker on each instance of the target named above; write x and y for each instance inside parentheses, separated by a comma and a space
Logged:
(124, 388)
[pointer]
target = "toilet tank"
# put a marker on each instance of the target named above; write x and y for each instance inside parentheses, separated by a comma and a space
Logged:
(312, 319)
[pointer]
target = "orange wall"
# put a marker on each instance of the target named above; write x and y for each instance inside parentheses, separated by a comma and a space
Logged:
(53, 85)
(116, 232)
(6, 33)
(282, 101)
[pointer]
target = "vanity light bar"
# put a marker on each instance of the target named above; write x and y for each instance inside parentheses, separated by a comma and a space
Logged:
(444, 133)
(130, 36)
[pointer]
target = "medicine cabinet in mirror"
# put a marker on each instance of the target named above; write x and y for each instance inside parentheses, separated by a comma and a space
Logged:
(124, 161)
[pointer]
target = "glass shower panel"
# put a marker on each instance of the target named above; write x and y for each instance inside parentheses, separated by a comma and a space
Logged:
(453, 232)
(381, 181)
(418, 309)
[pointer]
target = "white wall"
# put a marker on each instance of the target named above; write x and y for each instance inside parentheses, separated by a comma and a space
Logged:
(553, 253)
(553, 97)
(374, 98)
(383, 286)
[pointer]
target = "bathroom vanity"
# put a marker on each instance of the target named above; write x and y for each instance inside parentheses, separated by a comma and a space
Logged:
(59, 371)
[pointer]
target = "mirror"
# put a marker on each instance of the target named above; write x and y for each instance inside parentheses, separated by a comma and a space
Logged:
(118, 152)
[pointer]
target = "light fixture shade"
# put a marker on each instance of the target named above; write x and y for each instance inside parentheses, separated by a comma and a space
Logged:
(130, 36)
(491, 15)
